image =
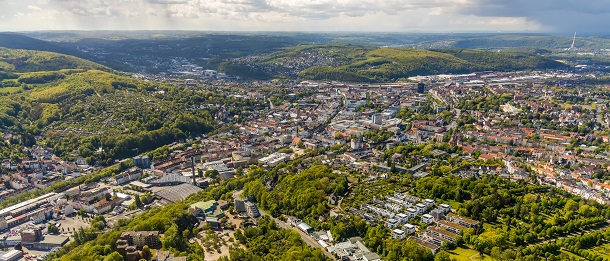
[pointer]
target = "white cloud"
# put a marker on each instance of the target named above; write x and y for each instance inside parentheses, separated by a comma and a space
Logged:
(34, 7)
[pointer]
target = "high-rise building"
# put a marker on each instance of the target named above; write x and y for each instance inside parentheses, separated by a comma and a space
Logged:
(421, 87)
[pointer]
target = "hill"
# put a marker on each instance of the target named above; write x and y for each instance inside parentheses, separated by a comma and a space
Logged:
(101, 116)
(371, 64)
(17, 60)
(19, 41)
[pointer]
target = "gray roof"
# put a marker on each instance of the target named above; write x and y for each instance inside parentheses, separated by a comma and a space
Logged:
(178, 193)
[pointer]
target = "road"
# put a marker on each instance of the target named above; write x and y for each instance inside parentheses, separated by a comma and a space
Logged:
(453, 123)
(308, 239)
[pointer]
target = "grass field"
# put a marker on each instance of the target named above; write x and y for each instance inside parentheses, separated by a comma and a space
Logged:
(467, 254)
(9, 89)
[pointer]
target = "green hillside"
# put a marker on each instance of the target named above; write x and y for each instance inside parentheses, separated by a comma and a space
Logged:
(97, 114)
(366, 64)
(16, 60)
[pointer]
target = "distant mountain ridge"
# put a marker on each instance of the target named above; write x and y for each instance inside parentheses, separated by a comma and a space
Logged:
(19, 41)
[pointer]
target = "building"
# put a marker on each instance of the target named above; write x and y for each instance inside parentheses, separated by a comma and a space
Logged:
(462, 220)
(421, 208)
(49, 242)
(445, 208)
(411, 212)
(409, 229)
(404, 218)
(392, 223)
(11, 255)
(429, 202)
(421, 87)
(166, 256)
(131, 174)
(399, 234)
(434, 248)
(274, 159)
(441, 233)
(30, 235)
(427, 219)
(252, 210)
(203, 207)
(142, 161)
(451, 227)
(177, 193)
(305, 228)
(377, 119)
(141, 238)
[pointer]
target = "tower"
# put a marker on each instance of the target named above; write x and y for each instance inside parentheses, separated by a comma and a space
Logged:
(421, 87)
(572, 47)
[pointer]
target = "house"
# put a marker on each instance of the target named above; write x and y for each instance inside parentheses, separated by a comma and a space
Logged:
(305, 228)
(166, 256)
(141, 238)
(440, 233)
(392, 223)
(462, 221)
(427, 219)
(403, 218)
(131, 174)
(445, 208)
(409, 229)
(397, 233)
(429, 202)
(434, 248)
(411, 212)
(451, 227)
(421, 208)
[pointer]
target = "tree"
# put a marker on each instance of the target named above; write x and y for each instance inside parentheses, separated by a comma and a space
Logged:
(51, 228)
(146, 254)
(114, 256)
(137, 201)
(172, 238)
(442, 256)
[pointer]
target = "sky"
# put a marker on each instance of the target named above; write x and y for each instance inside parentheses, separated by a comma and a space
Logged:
(560, 16)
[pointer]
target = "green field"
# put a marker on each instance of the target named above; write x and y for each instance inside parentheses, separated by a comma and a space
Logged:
(467, 254)
(9, 89)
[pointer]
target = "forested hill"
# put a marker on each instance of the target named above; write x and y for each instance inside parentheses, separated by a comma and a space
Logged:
(19, 41)
(97, 114)
(389, 64)
(17, 60)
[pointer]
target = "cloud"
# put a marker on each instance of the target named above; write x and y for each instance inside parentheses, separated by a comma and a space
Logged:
(556, 15)
(34, 7)
(333, 15)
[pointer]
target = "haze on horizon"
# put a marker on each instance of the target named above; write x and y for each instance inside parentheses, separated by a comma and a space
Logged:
(557, 16)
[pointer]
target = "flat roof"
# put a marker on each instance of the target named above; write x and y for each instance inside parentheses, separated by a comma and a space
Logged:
(178, 193)
(56, 240)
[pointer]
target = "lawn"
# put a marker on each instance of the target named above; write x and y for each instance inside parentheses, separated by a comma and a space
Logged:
(467, 254)
(9, 89)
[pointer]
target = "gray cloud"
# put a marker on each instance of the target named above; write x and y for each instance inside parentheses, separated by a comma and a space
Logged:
(558, 15)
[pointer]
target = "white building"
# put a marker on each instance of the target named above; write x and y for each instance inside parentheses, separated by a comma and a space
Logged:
(427, 219)
(409, 229)
(397, 233)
